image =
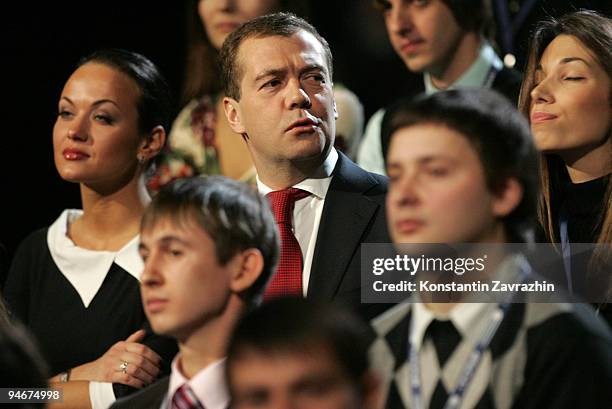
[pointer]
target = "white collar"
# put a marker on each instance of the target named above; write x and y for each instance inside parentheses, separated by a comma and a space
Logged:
(208, 384)
(469, 319)
(317, 184)
(464, 316)
(86, 269)
(476, 75)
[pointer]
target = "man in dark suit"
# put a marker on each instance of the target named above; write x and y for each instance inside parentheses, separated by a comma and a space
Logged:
(209, 248)
(278, 86)
(448, 42)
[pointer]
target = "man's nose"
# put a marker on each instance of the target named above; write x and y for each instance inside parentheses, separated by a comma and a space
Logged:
(298, 97)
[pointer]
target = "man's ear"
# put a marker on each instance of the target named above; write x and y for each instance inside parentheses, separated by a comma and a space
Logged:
(152, 143)
(233, 115)
(507, 197)
(247, 268)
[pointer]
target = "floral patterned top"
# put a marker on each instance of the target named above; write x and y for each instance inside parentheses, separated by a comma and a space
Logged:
(192, 149)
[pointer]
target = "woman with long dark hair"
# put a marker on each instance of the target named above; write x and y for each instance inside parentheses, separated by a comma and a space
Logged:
(75, 284)
(567, 95)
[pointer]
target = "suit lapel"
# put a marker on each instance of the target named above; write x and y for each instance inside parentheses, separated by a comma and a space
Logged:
(347, 212)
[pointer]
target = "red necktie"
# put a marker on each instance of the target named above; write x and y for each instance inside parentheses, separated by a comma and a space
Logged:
(184, 398)
(288, 278)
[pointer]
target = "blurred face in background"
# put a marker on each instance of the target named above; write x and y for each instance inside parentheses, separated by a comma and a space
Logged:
(423, 33)
(221, 17)
(570, 110)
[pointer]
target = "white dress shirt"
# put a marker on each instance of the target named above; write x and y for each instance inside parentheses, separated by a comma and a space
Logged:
(208, 385)
(307, 211)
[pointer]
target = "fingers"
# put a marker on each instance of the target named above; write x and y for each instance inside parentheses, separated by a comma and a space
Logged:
(144, 351)
(127, 379)
(136, 371)
(140, 367)
(137, 336)
(143, 362)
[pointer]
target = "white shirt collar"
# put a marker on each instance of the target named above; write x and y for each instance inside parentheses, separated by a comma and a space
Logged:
(464, 316)
(317, 184)
(86, 269)
(476, 76)
(469, 319)
(208, 384)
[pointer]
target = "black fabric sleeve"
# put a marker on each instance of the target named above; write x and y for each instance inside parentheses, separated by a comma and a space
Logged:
(17, 288)
(569, 364)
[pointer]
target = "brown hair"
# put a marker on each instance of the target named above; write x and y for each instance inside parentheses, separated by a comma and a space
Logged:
(497, 132)
(235, 216)
(595, 32)
(202, 73)
(278, 24)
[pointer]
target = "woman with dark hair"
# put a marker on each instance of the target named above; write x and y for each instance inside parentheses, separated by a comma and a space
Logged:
(75, 284)
(567, 95)
(201, 141)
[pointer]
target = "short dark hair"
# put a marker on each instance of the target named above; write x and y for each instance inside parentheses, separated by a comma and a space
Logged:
(471, 15)
(234, 215)
(155, 97)
(497, 131)
(296, 324)
(277, 24)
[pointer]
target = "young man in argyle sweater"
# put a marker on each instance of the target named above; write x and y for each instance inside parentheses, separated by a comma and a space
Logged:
(462, 168)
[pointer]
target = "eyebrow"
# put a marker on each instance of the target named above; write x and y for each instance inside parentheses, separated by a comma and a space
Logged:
(278, 72)
(164, 241)
(272, 72)
(567, 60)
(424, 160)
(313, 67)
(96, 103)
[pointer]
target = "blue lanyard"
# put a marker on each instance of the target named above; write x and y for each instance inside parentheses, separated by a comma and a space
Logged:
(490, 78)
(565, 247)
(455, 398)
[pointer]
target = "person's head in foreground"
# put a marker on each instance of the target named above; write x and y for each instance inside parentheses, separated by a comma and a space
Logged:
(209, 247)
(462, 168)
(296, 353)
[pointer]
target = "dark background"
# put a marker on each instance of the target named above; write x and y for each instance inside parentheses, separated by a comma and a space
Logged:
(40, 44)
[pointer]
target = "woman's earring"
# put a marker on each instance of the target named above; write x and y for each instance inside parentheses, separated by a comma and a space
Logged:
(141, 159)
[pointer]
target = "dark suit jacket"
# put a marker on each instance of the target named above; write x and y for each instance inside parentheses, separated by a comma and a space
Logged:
(150, 397)
(353, 213)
